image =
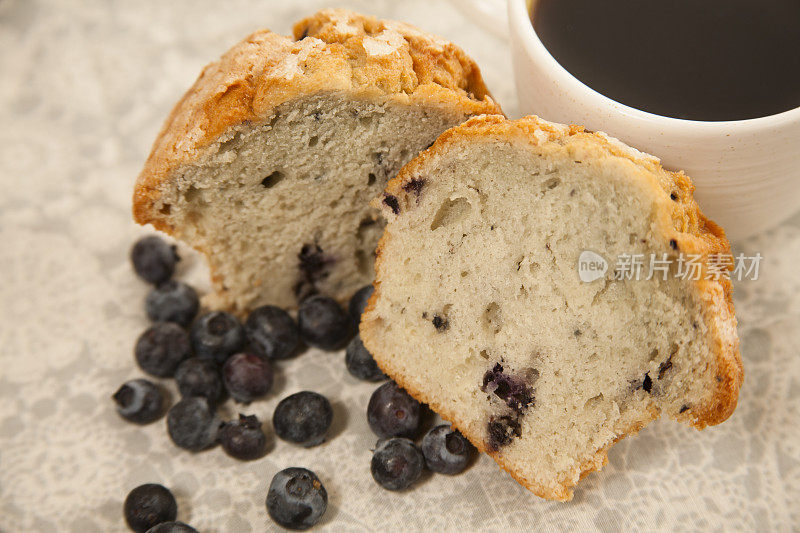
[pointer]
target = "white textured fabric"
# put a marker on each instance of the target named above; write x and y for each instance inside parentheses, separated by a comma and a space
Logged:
(84, 88)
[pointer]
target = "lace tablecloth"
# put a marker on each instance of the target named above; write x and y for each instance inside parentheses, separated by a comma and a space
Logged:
(84, 87)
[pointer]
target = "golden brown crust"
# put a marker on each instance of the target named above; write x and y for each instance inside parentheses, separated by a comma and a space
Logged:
(691, 231)
(425, 59)
(336, 50)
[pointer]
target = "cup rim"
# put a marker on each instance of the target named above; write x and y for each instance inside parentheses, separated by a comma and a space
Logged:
(535, 49)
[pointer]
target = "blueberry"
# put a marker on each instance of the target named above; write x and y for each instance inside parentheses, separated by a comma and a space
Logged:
(323, 323)
(272, 333)
(296, 498)
(314, 265)
(359, 302)
(199, 377)
(172, 301)
(396, 463)
(647, 383)
(153, 259)
(441, 324)
(243, 439)
(161, 348)
(513, 390)
(303, 418)
(140, 401)
(172, 527)
(148, 505)
(501, 431)
(392, 412)
(414, 186)
(446, 450)
(217, 335)
(360, 362)
(391, 202)
(193, 424)
(247, 377)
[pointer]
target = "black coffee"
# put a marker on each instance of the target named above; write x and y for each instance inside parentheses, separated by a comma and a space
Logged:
(693, 59)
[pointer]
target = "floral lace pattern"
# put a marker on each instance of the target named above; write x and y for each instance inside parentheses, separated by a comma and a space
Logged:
(85, 86)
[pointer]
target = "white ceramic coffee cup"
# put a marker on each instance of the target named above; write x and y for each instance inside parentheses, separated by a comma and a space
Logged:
(746, 172)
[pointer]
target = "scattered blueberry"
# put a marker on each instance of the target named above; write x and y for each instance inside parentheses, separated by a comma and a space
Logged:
(217, 335)
(272, 333)
(303, 418)
(172, 527)
(161, 348)
(149, 505)
(296, 498)
(247, 377)
(193, 424)
(140, 401)
(446, 450)
(396, 463)
(199, 377)
(323, 323)
(172, 301)
(153, 259)
(392, 412)
(243, 439)
(359, 302)
(360, 362)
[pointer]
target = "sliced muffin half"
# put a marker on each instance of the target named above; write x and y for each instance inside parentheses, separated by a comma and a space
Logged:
(485, 306)
(267, 164)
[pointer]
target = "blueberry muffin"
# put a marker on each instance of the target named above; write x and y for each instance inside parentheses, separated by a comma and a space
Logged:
(480, 310)
(267, 164)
